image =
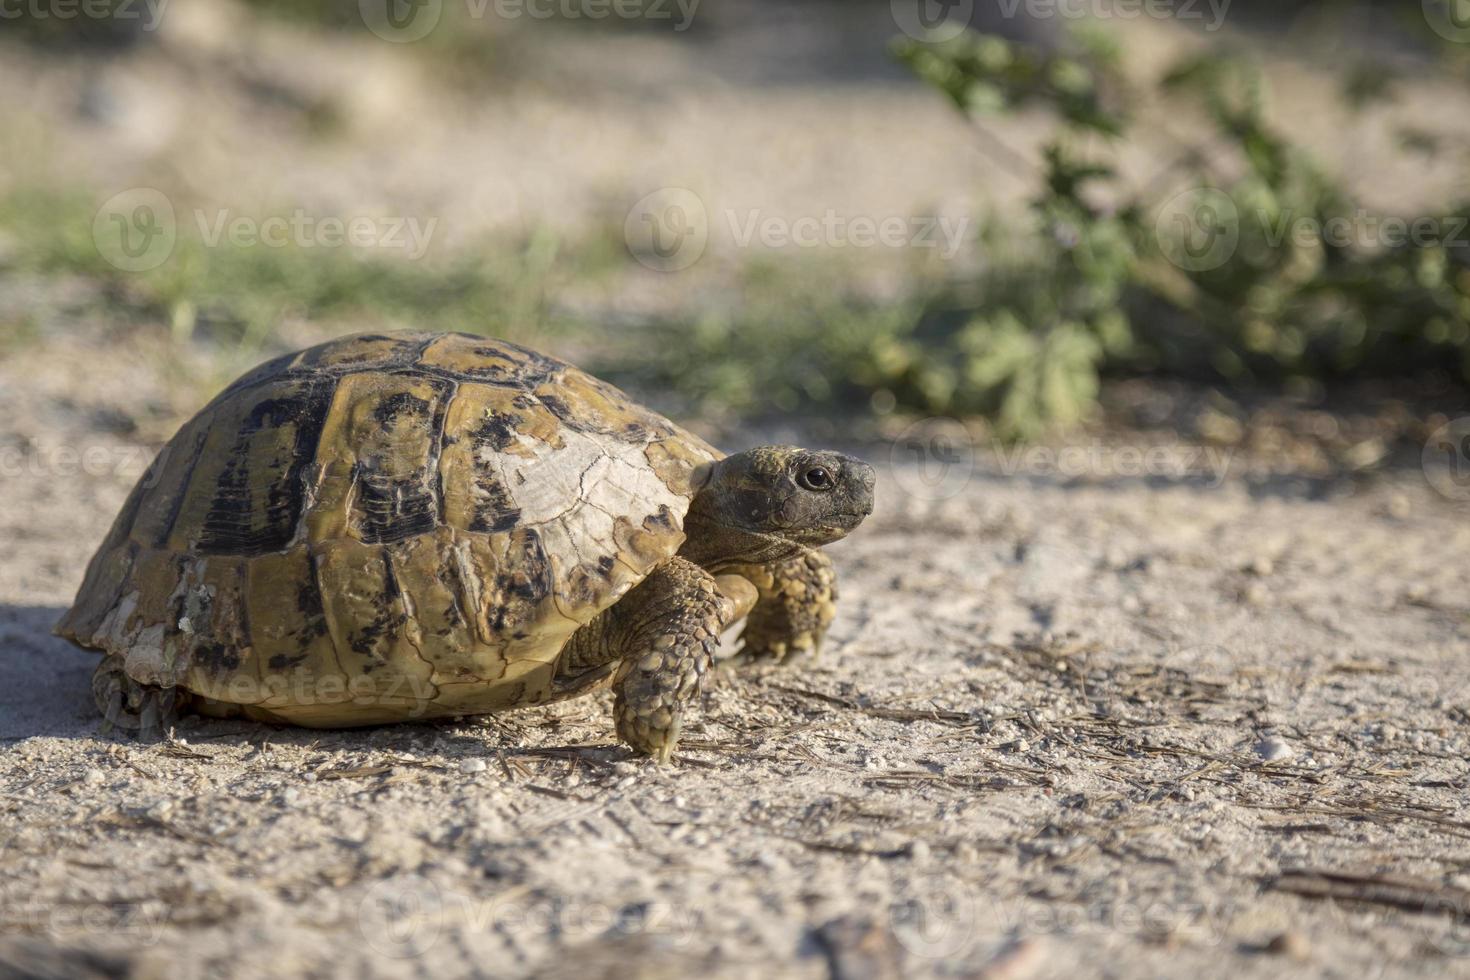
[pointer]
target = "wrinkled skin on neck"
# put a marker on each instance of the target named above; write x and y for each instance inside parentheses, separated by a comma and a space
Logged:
(772, 503)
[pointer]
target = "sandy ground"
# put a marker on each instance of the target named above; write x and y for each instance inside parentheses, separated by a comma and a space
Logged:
(1081, 724)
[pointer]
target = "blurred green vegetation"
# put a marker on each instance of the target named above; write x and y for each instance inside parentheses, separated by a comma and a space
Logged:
(237, 297)
(1223, 266)
(1246, 262)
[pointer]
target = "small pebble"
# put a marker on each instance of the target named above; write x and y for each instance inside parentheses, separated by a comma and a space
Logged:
(919, 850)
(1273, 750)
(1290, 944)
(468, 766)
(1262, 566)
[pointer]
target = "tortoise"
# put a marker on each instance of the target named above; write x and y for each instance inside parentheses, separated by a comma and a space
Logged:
(403, 526)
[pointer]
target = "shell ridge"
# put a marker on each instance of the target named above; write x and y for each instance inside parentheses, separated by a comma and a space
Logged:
(436, 451)
(176, 506)
(334, 630)
(410, 616)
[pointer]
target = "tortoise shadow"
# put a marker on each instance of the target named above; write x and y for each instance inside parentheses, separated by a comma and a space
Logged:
(45, 687)
(45, 692)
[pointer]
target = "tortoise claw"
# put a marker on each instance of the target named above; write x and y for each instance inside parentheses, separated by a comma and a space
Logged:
(112, 712)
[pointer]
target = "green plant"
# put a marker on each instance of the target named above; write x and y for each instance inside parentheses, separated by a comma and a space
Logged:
(238, 296)
(1232, 264)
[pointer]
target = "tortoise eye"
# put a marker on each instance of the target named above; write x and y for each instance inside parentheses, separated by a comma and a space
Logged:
(817, 478)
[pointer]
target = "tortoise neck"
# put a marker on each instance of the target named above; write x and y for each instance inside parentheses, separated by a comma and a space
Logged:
(715, 547)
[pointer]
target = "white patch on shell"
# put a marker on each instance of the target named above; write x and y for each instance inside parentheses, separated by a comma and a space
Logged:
(197, 602)
(586, 486)
(573, 496)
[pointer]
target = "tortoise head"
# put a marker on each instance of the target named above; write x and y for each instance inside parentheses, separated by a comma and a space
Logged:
(764, 503)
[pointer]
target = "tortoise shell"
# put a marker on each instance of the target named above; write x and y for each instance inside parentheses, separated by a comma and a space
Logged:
(383, 527)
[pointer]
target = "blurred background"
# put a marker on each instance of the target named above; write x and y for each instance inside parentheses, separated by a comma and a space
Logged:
(1238, 220)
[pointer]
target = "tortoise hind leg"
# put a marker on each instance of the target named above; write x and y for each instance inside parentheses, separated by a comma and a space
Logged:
(126, 704)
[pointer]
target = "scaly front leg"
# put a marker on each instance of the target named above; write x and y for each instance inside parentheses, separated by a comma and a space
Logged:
(798, 601)
(662, 635)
